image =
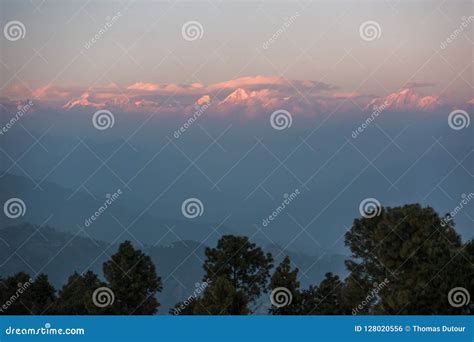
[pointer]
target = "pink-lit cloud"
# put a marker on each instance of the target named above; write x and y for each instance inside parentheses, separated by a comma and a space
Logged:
(246, 95)
(348, 95)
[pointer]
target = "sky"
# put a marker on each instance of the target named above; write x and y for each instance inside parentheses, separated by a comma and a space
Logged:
(234, 107)
(318, 41)
(332, 62)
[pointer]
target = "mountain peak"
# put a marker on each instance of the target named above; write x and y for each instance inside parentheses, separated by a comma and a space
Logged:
(406, 99)
(237, 96)
(82, 101)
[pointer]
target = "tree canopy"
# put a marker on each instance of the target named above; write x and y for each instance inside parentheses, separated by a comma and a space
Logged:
(405, 260)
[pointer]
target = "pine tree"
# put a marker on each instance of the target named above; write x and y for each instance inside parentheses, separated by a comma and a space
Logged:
(324, 299)
(75, 298)
(15, 295)
(242, 263)
(43, 294)
(420, 255)
(329, 296)
(287, 278)
(21, 295)
(356, 291)
(309, 302)
(133, 280)
(221, 298)
(469, 250)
